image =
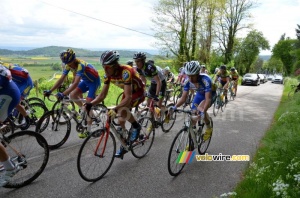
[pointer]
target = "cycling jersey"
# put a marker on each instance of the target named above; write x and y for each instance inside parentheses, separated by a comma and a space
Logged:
(223, 77)
(9, 93)
(234, 75)
(149, 71)
(204, 85)
(22, 79)
(89, 75)
(127, 75)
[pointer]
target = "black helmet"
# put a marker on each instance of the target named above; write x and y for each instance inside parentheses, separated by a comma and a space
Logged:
(232, 69)
(223, 67)
(109, 57)
(151, 62)
(67, 56)
(139, 55)
(130, 62)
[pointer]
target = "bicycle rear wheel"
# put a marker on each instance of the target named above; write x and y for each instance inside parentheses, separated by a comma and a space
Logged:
(203, 146)
(91, 165)
(179, 144)
(32, 157)
(51, 128)
(144, 143)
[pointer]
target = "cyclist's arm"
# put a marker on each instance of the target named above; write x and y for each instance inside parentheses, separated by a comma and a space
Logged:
(75, 83)
(58, 82)
(183, 98)
(227, 82)
(207, 101)
(144, 80)
(102, 95)
(127, 97)
(158, 84)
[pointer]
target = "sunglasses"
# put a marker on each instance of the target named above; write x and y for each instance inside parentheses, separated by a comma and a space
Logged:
(107, 66)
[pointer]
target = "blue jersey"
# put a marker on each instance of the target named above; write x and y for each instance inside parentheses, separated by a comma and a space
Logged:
(86, 71)
(205, 85)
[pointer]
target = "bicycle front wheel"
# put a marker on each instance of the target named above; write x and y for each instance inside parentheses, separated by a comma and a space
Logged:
(203, 146)
(92, 164)
(216, 106)
(51, 128)
(29, 151)
(168, 120)
(144, 143)
(179, 145)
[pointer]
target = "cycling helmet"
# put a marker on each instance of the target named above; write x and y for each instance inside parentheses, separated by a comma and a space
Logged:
(167, 68)
(151, 62)
(217, 70)
(130, 62)
(67, 56)
(180, 69)
(192, 68)
(223, 67)
(203, 66)
(139, 55)
(109, 57)
(232, 69)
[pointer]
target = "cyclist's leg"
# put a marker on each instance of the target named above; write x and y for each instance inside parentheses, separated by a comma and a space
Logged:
(9, 98)
(162, 93)
(209, 129)
(235, 86)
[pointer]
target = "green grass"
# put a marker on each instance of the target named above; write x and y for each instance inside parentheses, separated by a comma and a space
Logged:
(275, 170)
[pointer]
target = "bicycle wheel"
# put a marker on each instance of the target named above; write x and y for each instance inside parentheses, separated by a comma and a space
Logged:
(144, 143)
(119, 98)
(50, 127)
(37, 110)
(203, 146)
(91, 164)
(32, 157)
(57, 106)
(216, 106)
(35, 100)
(179, 144)
(167, 121)
(177, 95)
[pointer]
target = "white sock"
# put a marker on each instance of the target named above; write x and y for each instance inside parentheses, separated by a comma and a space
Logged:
(89, 128)
(8, 165)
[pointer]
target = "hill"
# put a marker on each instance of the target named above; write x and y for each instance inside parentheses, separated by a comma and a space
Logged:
(53, 51)
(265, 57)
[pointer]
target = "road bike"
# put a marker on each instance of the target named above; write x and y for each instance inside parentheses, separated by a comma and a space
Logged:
(220, 102)
(27, 150)
(187, 139)
(55, 125)
(97, 152)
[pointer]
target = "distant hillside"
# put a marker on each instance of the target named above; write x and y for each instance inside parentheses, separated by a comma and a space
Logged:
(265, 57)
(53, 51)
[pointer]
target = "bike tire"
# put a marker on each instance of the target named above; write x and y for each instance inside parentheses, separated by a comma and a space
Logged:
(50, 127)
(34, 148)
(203, 146)
(142, 146)
(166, 127)
(57, 106)
(176, 148)
(35, 100)
(90, 167)
(216, 107)
(37, 110)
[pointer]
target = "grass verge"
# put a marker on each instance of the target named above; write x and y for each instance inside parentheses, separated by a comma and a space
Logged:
(275, 169)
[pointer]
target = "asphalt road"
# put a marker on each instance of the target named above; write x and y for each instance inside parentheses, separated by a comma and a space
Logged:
(237, 131)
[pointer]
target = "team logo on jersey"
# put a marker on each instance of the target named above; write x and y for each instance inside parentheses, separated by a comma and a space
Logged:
(126, 75)
(205, 82)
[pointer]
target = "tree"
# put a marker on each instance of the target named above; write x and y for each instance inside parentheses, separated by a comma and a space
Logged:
(250, 48)
(283, 50)
(231, 16)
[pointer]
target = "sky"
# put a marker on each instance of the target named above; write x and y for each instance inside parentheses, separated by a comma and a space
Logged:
(35, 23)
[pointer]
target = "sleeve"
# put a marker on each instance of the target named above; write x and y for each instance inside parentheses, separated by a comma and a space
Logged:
(106, 80)
(127, 77)
(66, 70)
(186, 86)
(207, 84)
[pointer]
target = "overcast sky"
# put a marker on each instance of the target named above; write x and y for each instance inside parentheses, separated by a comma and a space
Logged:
(33, 23)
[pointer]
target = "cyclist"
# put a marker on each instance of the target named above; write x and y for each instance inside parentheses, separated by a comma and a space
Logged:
(223, 77)
(203, 69)
(85, 78)
(205, 94)
(130, 63)
(24, 82)
(181, 75)
(128, 79)
(169, 75)
(234, 77)
(148, 69)
(9, 97)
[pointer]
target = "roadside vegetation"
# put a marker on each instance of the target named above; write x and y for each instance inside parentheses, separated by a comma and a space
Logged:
(275, 169)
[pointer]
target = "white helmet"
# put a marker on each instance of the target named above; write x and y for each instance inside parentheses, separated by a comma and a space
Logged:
(167, 68)
(192, 68)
